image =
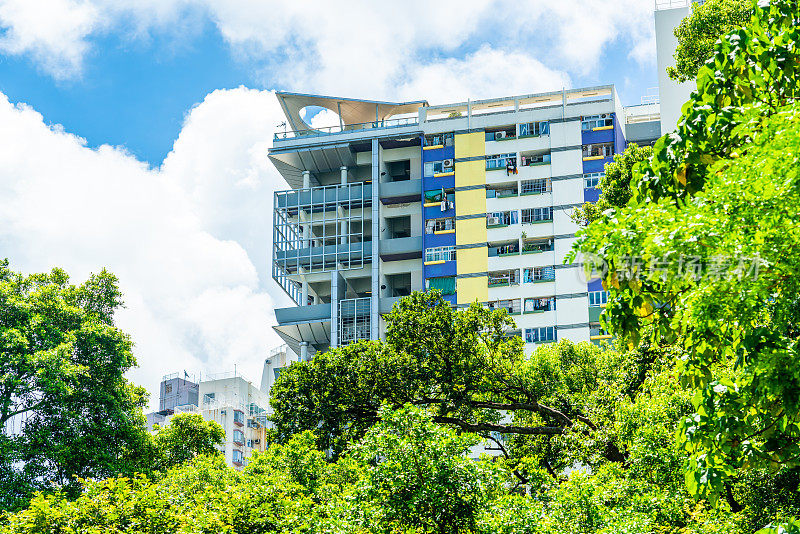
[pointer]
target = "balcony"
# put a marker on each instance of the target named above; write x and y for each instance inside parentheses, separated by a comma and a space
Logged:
(357, 127)
(403, 248)
(303, 314)
(400, 192)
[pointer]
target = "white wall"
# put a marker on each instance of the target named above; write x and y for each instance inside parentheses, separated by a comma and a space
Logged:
(672, 94)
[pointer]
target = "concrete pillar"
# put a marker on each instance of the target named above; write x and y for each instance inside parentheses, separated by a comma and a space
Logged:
(376, 232)
(304, 296)
(343, 175)
(306, 179)
(343, 231)
(304, 351)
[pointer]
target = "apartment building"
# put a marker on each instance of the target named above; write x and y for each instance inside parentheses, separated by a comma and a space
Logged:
(232, 401)
(471, 198)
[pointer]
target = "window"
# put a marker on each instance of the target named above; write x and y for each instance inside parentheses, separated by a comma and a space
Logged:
(533, 215)
(500, 161)
(238, 437)
(534, 187)
(534, 159)
(501, 218)
(531, 129)
(440, 254)
(501, 191)
(504, 248)
(539, 335)
(437, 167)
(537, 305)
(439, 225)
(441, 139)
(598, 298)
(167, 389)
(598, 149)
(498, 134)
(238, 457)
(535, 246)
(238, 417)
(445, 284)
(590, 122)
(592, 179)
(538, 274)
(512, 306)
(508, 277)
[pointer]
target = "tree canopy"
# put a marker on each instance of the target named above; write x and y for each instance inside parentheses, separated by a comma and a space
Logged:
(704, 256)
(698, 33)
(62, 384)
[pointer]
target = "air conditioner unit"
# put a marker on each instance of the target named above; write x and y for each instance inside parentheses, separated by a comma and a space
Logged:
(491, 221)
(447, 163)
(499, 135)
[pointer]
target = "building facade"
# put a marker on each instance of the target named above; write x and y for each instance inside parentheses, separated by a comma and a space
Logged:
(472, 198)
(232, 401)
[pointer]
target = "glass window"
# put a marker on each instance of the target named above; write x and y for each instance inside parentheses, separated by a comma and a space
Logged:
(238, 436)
(445, 284)
(238, 456)
(508, 277)
(167, 389)
(541, 185)
(598, 149)
(592, 179)
(500, 161)
(534, 305)
(532, 215)
(440, 139)
(439, 225)
(501, 218)
(530, 129)
(238, 417)
(590, 122)
(538, 335)
(440, 254)
(598, 298)
(538, 274)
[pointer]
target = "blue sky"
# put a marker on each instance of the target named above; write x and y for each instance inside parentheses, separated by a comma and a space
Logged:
(135, 92)
(134, 134)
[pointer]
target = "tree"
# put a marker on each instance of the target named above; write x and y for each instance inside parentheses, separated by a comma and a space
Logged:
(698, 32)
(615, 185)
(714, 214)
(62, 365)
(418, 478)
(463, 365)
(186, 436)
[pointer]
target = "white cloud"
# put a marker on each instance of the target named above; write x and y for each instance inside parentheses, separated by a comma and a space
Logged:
(358, 48)
(477, 76)
(181, 238)
(53, 32)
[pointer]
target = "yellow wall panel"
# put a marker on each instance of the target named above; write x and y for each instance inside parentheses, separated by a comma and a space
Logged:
(470, 202)
(472, 260)
(469, 231)
(470, 144)
(470, 289)
(470, 172)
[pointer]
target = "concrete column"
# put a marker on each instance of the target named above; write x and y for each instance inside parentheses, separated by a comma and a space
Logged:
(306, 179)
(343, 175)
(343, 231)
(376, 216)
(304, 297)
(304, 351)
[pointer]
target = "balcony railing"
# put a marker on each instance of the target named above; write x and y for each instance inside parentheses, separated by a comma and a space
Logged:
(328, 130)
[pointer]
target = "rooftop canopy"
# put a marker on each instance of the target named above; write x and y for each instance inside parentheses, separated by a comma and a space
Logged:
(351, 111)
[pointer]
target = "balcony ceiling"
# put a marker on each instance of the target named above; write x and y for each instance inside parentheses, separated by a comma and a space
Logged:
(317, 160)
(315, 333)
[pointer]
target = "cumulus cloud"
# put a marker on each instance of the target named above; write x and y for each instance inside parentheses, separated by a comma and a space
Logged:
(476, 76)
(181, 238)
(360, 48)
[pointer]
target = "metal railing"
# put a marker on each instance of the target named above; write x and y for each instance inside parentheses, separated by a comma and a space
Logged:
(328, 130)
(672, 4)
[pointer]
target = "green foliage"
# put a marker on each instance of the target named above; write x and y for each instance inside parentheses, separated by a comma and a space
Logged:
(698, 32)
(721, 193)
(62, 365)
(186, 436)
(418, 478)
(615, 185)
